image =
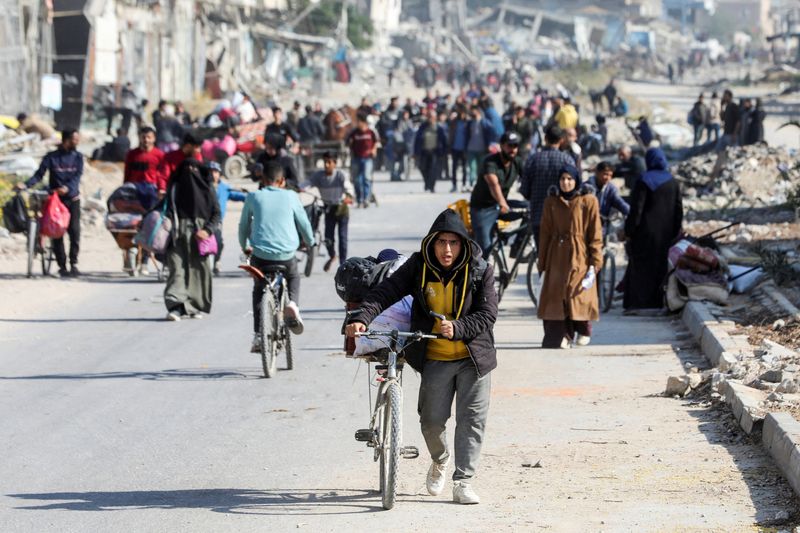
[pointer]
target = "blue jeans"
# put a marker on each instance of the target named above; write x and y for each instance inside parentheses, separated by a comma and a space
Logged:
(483, 222)
(362, 167)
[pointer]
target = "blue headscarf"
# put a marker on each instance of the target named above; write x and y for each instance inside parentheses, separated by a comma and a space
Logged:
(576, 175)
(657, 173)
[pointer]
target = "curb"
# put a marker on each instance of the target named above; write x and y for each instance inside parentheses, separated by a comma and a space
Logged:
(780, 432)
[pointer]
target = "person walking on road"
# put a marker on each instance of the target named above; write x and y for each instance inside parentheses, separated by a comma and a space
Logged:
(542, 171)
(449, 277)
(364, 143)
(268, 233)
(337, 194)
(193, 207)
(606, 192)
(652, 225)
(65, 166)
(430, 148)
(479, 135)
(570, 255)
(488, 200)
(225, 194)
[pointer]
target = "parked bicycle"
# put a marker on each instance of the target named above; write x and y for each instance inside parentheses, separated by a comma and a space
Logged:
(38, 244)
(607, 277)
(521, 250)
(385, 432)
(273, 331)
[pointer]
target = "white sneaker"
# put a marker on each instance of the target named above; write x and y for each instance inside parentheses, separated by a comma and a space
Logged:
(197, 315)
(565, 344)
(583, 340)
(291, 314)
(256, 346)
(463, 493)
(436, 479)
(174, 316)
(143, 271)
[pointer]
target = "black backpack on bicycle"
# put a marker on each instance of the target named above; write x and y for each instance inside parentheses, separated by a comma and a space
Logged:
(15, 215)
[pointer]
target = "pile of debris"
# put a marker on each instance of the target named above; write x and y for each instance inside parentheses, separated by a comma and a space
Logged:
(742, 177)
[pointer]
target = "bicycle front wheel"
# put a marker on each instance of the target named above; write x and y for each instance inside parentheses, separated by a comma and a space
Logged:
(269, 332)
(287, 337)
(33, 230)
(390, 445)
(531, 278)
(310, 255)
(606, 281)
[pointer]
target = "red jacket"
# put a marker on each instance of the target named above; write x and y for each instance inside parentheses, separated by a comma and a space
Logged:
(145, 167)
(171, 162)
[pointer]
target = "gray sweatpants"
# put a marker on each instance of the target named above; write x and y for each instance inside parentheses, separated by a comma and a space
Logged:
(441, 381)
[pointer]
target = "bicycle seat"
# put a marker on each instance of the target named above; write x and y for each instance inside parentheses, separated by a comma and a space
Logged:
(518, 204)
(273, 269)
(512, 216)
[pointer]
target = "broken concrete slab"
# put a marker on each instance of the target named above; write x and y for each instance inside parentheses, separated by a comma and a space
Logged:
(781, 437)
(745, 403)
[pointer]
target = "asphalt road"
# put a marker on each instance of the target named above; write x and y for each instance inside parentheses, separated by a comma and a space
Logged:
(116, 420)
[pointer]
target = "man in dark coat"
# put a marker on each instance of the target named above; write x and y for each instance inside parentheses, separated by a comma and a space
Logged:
(652, 225)
(447, 277)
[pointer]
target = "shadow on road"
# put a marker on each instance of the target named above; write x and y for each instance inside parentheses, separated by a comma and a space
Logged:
(182, 374)
(234, 501)
(59, 320)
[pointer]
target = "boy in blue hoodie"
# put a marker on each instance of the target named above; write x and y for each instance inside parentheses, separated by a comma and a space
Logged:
(224, 195)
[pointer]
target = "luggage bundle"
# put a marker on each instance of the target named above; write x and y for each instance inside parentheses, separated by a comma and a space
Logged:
(15, 215)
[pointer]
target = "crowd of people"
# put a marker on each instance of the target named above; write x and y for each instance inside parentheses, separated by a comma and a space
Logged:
(741, 123)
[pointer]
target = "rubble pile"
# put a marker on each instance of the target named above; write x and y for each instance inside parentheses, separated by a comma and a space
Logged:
(743, 177)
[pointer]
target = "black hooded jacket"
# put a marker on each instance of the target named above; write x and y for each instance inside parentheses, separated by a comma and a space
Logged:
(474, 289)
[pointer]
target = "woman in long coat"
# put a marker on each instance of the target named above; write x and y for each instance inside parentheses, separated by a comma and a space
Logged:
(192, 205)
(570, 251)
(653, 224)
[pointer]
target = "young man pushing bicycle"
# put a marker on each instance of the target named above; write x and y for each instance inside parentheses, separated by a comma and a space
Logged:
(446, 277)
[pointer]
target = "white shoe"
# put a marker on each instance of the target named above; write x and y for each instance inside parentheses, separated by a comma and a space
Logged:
(143, 271)
(174, 316)
(197, 316)
(291, 314)
(463, 493)
(436, 479)
(583, 340)
(565, 344)
(256, 346)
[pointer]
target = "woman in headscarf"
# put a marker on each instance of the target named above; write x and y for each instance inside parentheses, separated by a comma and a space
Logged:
(194, 210)
(570, 255)
(653, 223)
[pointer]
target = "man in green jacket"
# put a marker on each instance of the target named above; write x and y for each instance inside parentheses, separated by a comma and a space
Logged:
(268, 230)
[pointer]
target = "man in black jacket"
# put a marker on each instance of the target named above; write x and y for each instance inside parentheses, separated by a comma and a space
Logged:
(447, 277)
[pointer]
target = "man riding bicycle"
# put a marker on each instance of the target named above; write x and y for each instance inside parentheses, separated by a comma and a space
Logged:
(499, 172)
(446, 277)
(271, 218)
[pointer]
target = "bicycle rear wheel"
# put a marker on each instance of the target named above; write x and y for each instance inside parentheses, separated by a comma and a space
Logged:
(390, 444)
(530, 278)
(498, 266)
(606, 281)
(269, 331)
(33, 230)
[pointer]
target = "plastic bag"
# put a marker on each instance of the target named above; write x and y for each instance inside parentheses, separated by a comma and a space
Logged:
(398, 317)
(208, 246)
(55, 217)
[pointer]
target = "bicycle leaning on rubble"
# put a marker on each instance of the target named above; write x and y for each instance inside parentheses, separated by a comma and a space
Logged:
(385, 432)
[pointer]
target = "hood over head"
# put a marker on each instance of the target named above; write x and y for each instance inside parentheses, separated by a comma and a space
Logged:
(448, 221)
(657, 169)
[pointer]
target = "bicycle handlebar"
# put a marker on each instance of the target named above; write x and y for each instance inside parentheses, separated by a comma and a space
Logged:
(413, 335)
